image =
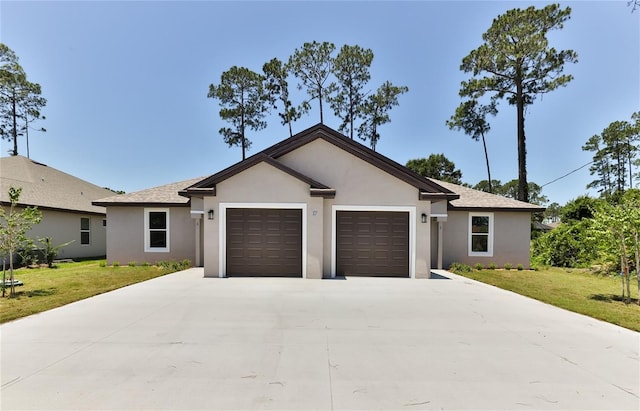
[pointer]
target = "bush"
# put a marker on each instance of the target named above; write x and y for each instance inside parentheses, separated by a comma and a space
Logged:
(520, 267)
(115, 264)
(131, 264)
(478, 266)
(507, 266)
(568, 245)
(492, 266)
(103, 263)
(146, 264)
(459, 268)
(174, 265)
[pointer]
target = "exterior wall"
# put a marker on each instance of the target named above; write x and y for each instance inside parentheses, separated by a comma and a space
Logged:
(65, 226)
(125, 236)
(512, 237)
(358, 183)
(263, 186)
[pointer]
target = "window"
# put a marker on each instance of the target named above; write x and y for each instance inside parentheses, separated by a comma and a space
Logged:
(481, 234)
(156, 230)
(85, 231)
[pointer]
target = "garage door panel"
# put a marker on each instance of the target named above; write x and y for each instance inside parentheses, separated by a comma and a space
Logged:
(372, 243)
(264, 242)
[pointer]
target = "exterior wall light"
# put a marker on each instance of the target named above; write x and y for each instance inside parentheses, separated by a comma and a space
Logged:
(424, 218)
(210, 214)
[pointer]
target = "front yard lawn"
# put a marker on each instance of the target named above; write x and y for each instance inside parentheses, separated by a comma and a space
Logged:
(47, 288)
(572, 289)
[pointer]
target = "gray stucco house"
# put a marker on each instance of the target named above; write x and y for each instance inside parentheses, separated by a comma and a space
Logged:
(65, 202)
(317, 205)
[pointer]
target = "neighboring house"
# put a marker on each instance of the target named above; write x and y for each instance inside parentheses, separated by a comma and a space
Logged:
(318, 205)
(65, 202)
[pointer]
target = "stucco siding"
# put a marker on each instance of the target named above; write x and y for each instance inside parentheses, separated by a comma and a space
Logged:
(263, 186)
(511, 239)
(63, 227)
(358, 183)
(125, 236)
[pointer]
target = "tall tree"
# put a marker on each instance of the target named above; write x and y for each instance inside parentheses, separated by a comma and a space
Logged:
(615, 154)
(600, 166)
(471, 117)
(277, 89)
(20, 99)
(312, 65)
(516, 62)
(436, 166)
(376, 109)
(244, 104)
(511, 190)
(351, 69)
(494, 187)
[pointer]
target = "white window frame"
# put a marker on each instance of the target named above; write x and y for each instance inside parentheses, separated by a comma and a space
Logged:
(490, 235)
(405, 209)
(147, 231)
(88, 231)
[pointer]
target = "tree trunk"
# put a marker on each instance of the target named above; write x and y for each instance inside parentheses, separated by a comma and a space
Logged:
(320, 99)
(13, 287)
(636, 243)
(523, 185)
(15, 127)
(486, 157)
(625, 270)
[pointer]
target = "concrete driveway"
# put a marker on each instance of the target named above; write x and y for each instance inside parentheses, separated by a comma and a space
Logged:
(187, 342)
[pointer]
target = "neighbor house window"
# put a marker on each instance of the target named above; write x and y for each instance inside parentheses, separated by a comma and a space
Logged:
(481, 234)
(85, 231)
(156, 230)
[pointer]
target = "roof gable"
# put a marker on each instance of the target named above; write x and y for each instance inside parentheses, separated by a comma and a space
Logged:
(47, 187)
(428, 190)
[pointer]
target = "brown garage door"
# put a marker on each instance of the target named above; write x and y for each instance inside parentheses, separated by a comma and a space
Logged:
(372, 243)
(264, 242)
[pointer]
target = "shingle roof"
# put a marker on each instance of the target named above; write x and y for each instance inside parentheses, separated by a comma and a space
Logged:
(162, 195)
(475, 199)
(47, 187)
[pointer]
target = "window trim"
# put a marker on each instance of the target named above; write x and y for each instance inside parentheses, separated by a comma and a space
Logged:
(490, 235)
(147, 231)
(88, 231)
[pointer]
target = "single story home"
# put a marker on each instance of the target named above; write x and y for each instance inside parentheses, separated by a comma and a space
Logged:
(65, 202)
(318, 205)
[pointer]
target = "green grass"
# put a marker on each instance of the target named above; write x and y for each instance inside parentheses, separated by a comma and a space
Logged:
(576, 290)
(47, 288)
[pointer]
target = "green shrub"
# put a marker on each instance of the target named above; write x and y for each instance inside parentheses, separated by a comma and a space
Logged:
(508, 266)
(115, 264)
(103, 263)
(478, 266)
(568, 245)
(131, 264)
(174, 265)
(520, 267)
(492, 266)
(459, 268)
(146, 264)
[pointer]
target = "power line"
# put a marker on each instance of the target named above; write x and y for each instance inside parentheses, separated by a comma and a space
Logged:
(568, 174)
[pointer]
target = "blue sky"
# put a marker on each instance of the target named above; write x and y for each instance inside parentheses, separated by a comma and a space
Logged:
(126, 82)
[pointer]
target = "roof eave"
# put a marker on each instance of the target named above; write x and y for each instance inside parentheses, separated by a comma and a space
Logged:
(532, 209)
(141, 204)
